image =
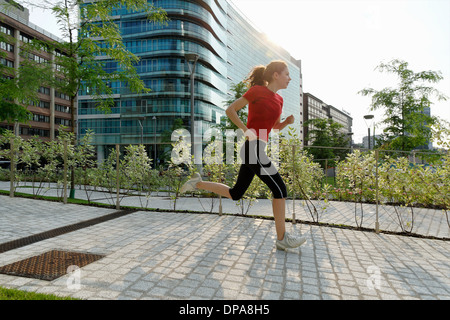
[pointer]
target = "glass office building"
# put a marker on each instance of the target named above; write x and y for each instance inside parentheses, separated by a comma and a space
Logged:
(227, 46)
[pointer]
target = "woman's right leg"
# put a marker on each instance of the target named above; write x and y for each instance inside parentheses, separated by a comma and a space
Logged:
(279, 213)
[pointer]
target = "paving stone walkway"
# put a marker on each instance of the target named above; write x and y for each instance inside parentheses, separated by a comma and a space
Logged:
(151, 255)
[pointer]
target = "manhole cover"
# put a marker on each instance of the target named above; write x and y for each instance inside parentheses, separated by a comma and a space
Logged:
(50, 265)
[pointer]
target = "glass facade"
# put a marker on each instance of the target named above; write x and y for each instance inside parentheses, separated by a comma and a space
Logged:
(228, 47)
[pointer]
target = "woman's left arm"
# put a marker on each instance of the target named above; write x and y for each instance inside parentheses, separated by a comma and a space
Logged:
(281, 125)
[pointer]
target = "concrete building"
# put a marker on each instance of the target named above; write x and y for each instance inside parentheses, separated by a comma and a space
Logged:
(315, 108)
(53, 108)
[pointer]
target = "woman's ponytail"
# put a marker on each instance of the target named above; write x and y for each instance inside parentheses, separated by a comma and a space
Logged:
(256, 76)
(262, 75)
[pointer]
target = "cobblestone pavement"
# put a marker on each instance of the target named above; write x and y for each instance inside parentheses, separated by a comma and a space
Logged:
(151, 255)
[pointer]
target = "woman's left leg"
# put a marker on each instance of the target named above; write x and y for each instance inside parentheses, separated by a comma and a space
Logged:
(243, 181)
(217, 188)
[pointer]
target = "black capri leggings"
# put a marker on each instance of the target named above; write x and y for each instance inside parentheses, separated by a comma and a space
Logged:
(256, 162)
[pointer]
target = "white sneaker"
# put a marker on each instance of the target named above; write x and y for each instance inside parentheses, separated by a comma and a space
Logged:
(191, 184)
(290, 241)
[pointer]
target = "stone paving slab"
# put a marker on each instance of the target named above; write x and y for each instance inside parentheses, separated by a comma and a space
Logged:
(18, 221)
(151, 255)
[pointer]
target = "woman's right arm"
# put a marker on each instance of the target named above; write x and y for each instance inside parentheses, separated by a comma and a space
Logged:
(233, 116)
(232, 113)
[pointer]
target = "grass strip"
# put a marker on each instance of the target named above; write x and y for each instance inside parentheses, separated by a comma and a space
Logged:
(14, 294)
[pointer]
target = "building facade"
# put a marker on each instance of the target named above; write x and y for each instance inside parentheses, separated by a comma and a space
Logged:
(342, 117)
(315, 108)
(53, 108)
(373, 141)
(227, 47)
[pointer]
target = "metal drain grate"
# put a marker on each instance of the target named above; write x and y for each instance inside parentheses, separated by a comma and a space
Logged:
(50, 265)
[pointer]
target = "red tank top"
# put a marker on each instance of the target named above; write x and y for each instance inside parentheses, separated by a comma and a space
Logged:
(265, 107)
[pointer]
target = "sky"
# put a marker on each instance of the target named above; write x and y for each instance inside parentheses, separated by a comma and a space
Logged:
(341, 42)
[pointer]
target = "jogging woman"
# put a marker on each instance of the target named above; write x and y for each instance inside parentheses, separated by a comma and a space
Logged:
(264, 114)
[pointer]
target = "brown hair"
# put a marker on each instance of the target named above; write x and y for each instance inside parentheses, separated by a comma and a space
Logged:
(262, 75)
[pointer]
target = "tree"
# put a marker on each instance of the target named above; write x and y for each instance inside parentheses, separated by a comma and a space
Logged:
(406, 123)
(324, 135)
(93, 39)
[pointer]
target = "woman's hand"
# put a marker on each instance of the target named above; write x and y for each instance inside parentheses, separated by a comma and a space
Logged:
(290, 119)
(250, 134)
(281, 125)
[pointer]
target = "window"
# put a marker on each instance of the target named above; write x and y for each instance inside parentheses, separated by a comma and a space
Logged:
(41, 118)
(61, 95)
(44, 90)
(41, 104)
(61, 108)
(25, 38)
(6, 46)
(64, 122)
(37, 58)
(27, 131)
(6, 29)
(7, 63)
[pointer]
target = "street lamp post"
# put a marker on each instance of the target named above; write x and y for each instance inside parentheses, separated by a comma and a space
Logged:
(368, 117)
(154, 139)
(192, 57)
(350, 135)
(140, 119)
